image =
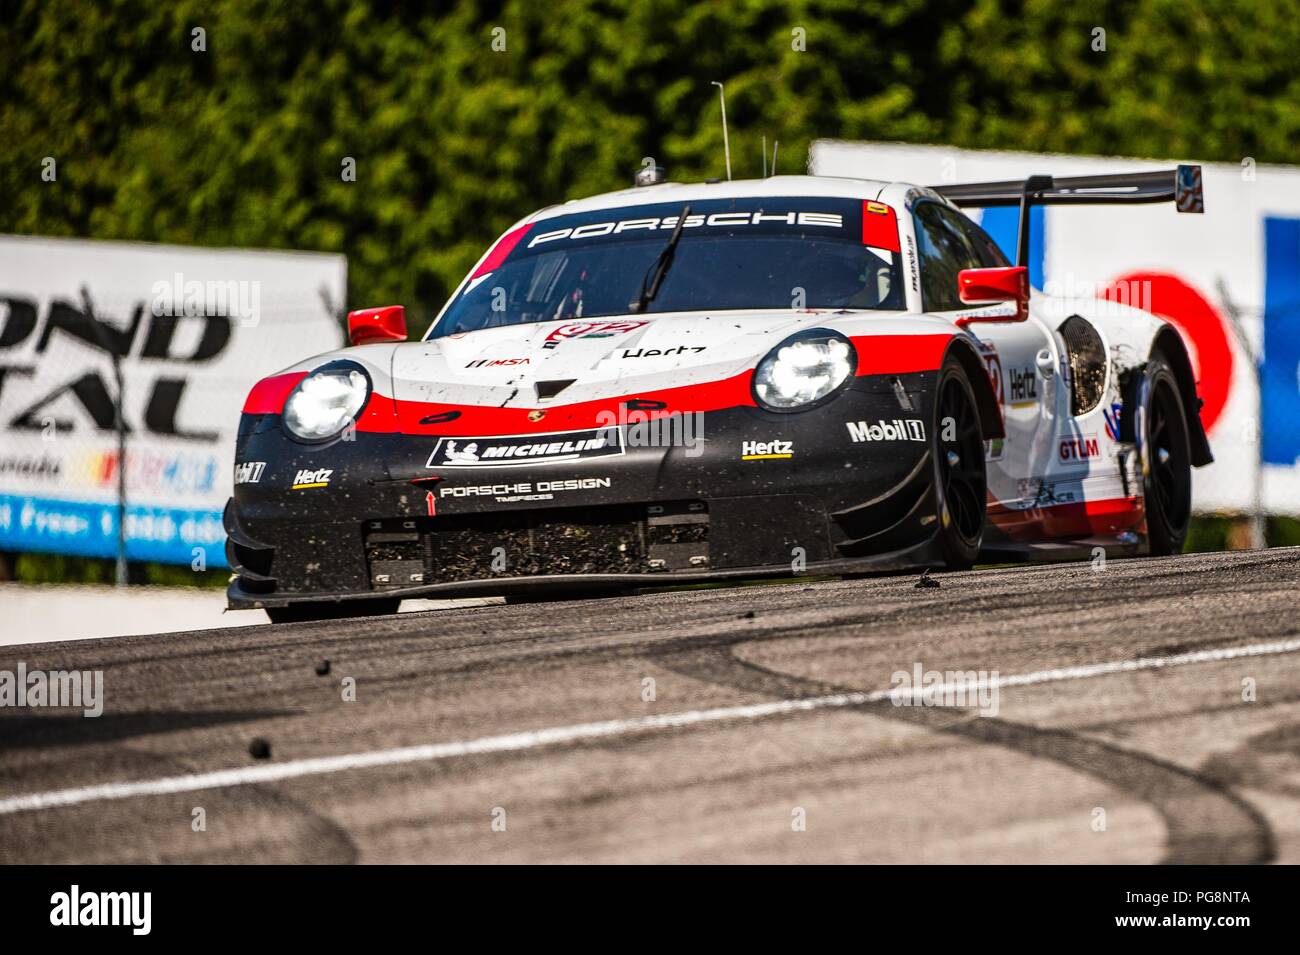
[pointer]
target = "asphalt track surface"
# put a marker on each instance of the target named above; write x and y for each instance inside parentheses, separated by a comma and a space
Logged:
(1121, 732)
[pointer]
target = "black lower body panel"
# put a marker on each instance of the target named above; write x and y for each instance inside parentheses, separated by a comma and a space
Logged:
(841, 489)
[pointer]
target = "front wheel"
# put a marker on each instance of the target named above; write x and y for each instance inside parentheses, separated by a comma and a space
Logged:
(334, 610)
(960, 482)
(1166, 458)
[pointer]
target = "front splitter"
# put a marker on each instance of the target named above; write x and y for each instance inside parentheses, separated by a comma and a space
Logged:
(918, 556)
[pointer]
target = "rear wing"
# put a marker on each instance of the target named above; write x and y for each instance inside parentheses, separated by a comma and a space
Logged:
(1182, 186)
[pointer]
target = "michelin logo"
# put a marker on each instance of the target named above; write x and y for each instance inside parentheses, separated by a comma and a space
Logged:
(900, 429)
(514, 450)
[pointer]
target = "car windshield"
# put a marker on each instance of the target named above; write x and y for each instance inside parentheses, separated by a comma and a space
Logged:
(733, 254)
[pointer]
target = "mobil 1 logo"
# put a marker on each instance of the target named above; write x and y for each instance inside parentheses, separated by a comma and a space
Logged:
(898, 429)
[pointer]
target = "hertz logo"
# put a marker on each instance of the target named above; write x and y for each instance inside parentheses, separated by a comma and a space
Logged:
(308, 478)
(766, 450)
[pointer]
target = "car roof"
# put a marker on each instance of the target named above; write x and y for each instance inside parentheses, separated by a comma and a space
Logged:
(740, 188)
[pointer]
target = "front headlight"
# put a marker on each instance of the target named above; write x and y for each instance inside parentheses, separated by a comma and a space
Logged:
(804, 370)
(326, 401)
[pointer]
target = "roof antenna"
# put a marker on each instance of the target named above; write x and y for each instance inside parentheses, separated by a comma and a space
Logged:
(776, 144)
(726, 144)
(764, 157)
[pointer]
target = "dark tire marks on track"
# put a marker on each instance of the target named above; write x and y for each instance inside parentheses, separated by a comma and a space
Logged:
(1183, 756)
(1206, 822)
(287, 830)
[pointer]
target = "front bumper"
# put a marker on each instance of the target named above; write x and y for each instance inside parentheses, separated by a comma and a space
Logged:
(695, 507)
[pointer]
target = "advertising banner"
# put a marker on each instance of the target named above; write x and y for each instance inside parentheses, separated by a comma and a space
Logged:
(192, 330)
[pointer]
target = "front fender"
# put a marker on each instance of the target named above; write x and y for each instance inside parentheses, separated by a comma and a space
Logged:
(986, 399)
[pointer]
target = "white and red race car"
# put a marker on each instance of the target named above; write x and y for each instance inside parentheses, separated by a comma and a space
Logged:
(684, 382)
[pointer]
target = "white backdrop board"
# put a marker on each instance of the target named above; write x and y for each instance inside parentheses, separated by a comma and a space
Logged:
(194, 329)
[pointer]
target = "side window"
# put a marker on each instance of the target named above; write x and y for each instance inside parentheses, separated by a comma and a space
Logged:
(945, 248)
(991, 257)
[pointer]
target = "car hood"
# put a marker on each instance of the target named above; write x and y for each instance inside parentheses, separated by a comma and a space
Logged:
(572, 361)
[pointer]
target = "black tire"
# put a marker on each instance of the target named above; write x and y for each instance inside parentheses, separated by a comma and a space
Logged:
(1166, 457)
(960, 481)
(340, 610)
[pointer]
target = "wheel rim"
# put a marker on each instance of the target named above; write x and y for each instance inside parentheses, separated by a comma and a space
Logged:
(960, 451)
(1167, 450)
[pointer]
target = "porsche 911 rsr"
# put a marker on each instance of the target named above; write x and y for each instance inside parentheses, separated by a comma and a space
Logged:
(682, 383)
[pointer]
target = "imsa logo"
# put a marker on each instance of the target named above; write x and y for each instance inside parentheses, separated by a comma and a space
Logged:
(900, 429)
(498, 362)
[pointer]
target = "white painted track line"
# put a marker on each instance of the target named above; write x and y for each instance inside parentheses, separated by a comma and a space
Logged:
(532, 739)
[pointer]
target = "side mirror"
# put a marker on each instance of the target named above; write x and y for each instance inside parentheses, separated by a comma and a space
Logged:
(989, 286)
(387, 324)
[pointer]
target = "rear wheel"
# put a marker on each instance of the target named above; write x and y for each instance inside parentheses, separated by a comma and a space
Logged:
(961, 486)
(1166, 458)
(340, 610)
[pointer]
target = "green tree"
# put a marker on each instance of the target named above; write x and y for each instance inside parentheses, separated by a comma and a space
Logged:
(455, 137)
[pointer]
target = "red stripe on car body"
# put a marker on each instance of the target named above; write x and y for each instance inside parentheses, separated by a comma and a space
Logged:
(730, 392)
(269, 395)
(900, 354)
(877, 355)
(505, 245)
(879, 226)
(1106, 517)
